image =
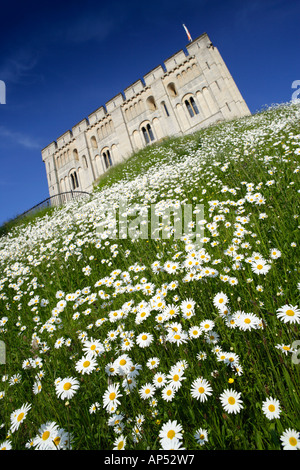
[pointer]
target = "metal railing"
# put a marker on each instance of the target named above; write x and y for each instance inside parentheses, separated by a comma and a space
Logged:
(54, 201)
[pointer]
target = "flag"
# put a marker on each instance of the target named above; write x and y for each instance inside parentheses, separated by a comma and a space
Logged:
(187, 32)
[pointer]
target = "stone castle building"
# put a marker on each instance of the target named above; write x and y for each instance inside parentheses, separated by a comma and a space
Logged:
(191, 90)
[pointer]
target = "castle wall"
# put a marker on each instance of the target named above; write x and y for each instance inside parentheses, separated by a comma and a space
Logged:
(191, 90)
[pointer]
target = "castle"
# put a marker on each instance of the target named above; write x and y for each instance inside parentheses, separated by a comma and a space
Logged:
(190, 91)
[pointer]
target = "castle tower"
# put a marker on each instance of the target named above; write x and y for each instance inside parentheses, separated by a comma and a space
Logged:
(191, 90)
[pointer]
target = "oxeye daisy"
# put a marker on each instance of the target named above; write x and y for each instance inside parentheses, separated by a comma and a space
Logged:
(260, 267)
(171, 311)
(6, 445)
(152, 363)
(175, 378)
(159, 380)
(290, 439)
(37, 387)
(120, 443)
(178, 337)
(93, 347)
(247, 321)
(271, 408)
(201, 355)
(123, 364)
(285, 348)
(110, 397)
(195, 332)
(170, 430)
(45, 437)
(147, 391)
(201, 389)
(274, 253)
(168, 393)
(144, 340)
(207, 325)
(66, 388)
(201, 436)
(171, 444)
(288, 314)
(86, 365)
(17, 417)
(231, 401)
(220, 300)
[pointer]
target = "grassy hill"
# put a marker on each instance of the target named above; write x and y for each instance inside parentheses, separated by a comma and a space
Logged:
(161, 312)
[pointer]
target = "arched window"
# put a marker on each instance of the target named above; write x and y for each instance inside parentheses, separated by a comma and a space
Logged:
(74, 180)
(147, 133)
(107, 158)
(75, 155)
(94, 142)
(172, 89)
(165, 108)
(191, 106)
(84, 161)
(151, 103)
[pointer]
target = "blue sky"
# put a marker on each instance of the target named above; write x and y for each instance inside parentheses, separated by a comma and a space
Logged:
(61, 61)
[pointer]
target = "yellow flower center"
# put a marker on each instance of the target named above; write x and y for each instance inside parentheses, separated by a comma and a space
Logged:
(171, 434)
(231, 400)
(45, 435)
(112, 396)
(169, 392)
(144, 337)
(67, 386)
(271, 408)
(147, 391)
(293, 441)
(247, 320)
(176, 336)
(20, 417)
(176, 378)
(86, 363)
(201, 390)
(93, 347)
(122, 362)
(120, 445)
(259, 266)
(290, 313)
(56, 440)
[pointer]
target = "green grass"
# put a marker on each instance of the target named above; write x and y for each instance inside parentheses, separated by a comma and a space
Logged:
(64, 252)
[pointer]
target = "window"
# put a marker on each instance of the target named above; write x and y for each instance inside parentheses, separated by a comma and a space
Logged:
(148, 134)
(84, 161)
(75, 155)
(74, 180)
(94, 142)
(172, 89)
(191, 106)
(107, 159)
(151, 103)
(165, 108)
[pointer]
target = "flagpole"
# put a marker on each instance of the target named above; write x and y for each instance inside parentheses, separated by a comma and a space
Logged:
(187, 33)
